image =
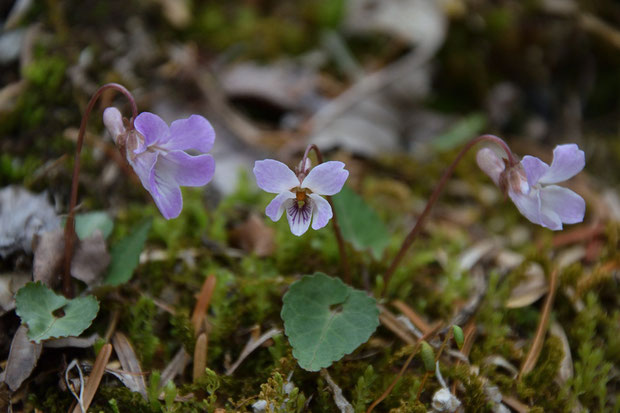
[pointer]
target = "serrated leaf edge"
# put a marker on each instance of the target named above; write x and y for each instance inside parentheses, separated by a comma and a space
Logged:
(37, 339)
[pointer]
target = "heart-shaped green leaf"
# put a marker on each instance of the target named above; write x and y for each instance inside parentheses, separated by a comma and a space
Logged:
(324, 319)
(360, 224)
(50, 315)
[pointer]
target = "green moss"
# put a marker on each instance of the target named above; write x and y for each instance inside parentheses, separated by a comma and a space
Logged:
(125, 400)
(592, 371)
(182, 330)
(140, 327)
(539, 386)
(473, 398)
(363, 394)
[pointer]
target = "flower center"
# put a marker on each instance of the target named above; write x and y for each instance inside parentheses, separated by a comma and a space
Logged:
(301, 198)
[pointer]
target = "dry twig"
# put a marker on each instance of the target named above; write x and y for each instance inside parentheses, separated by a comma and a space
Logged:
(92, 382)
(532, 356)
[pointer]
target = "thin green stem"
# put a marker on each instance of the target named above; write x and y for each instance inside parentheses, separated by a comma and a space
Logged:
(70, 225)
(344, 262)
(417, 228)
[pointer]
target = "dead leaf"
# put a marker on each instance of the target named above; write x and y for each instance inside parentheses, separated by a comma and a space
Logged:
(9, 284)
(76, 342)
(530, 289)
(475, 253)
(23, 358)
(130, 363)
(254, 236)
(250, 346)
(175, 367)
(22, 216)
(48, 257)
(413, 21)
(288, 85)
(90, 260)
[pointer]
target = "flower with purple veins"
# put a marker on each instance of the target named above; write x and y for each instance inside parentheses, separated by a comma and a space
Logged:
(300, 193)
(530, 185)
(157, 153)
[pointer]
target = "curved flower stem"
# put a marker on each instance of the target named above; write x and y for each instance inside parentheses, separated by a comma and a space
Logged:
(344, 262)
(70, 225)
(417, 228)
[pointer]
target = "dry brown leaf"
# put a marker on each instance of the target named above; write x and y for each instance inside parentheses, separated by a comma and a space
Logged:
(250, 346)
(129, 362)
(76, 342)
(48, 257)
(475, 253)
(22, 216)
(90, 260)
(254, 236)
(23, 358)
(9, 284)
(175, 367)
(530, 289)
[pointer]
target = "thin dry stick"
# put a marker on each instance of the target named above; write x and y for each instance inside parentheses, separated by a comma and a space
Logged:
(111, 325)
(541, 330)
(344, 262)
(70, 225)
(415, 319)
(417, 228)
(92, 382)
(402, 370)
(390, 321)
(200, 356)
(202, 304)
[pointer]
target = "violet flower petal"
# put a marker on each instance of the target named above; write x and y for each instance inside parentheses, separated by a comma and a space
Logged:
(113, 121)
(534, 169)
(274, 176)
(276, 207)
(490, 163)
(143, 165)
(152, 127)
(322, 211)
(550, 219)
(568, 161)
(569, 206)
(194, 132)
(184, 169)
(298, 218)
(326, 178)
(166, 192)
(528, 204)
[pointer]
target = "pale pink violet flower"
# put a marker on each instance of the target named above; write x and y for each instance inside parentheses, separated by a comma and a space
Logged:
(530, 185)
(299, 194)
(157, 153)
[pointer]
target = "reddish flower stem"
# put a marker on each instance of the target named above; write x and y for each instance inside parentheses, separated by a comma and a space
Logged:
(344, 262)
(70, 225)
(417, 228)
